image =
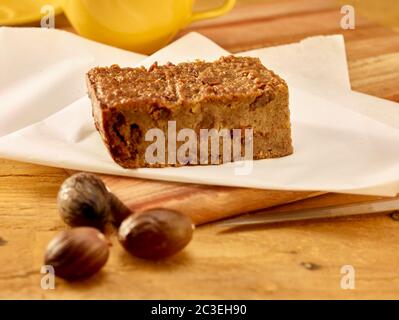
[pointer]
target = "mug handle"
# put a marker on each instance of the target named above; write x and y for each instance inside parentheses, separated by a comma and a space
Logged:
(212, 13)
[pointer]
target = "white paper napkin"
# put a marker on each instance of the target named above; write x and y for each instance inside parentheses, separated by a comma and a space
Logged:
(336, 148)
(41, 72)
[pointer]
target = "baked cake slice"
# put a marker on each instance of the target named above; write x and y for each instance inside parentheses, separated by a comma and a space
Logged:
(230, 93)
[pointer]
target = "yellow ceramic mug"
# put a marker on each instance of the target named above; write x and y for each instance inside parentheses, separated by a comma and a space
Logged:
(139, 25)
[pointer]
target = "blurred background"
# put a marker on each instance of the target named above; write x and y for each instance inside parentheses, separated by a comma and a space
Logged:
(372, 46)
(385, 12)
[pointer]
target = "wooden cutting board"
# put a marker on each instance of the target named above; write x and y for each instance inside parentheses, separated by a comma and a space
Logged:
(203, 203)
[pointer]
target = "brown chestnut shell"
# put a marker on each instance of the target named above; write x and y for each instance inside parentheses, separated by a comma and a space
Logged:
(77, 253)
(83, 200)
(155, 233)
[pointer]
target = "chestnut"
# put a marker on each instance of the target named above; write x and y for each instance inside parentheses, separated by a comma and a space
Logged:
(83, 200)
(155, 233)
(77, 253)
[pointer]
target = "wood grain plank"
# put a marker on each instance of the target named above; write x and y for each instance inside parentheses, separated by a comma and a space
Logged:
(377, 75)
(261, 263)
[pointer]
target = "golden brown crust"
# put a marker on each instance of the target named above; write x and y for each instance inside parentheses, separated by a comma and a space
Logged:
(186, 83)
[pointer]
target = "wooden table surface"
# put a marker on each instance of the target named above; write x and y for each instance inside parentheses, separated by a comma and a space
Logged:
(296, 260)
